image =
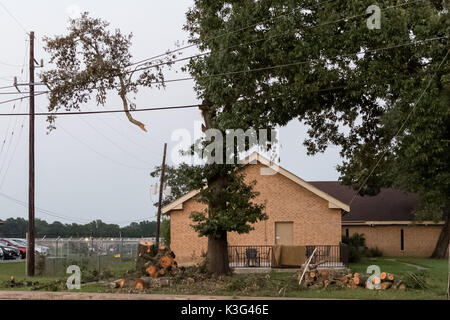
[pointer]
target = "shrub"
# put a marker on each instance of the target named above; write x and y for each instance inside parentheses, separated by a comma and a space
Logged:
(354, 254)
(356, 244)
(373, 253)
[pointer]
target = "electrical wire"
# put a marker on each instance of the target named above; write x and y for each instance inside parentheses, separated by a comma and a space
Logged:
(10, 65)
(238, 72)
(74, 113)
(113, 142)
(226, 49)
(23, 92)
(124, 136)
(14, 18)
(99, 153)
(255, 41)
(21, 98)
(8, 163)
(64, 217)
(402, 127)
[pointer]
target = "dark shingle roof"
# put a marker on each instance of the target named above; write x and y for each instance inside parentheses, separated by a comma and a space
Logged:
(388, 205)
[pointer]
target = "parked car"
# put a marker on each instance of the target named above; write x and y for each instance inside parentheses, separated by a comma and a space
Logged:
(2, 256)
(9, 253)
(20, 247)
(39, 249)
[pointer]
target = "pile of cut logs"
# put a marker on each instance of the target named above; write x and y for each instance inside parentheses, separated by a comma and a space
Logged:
(316, 278)
(384, 282)
(153, 264)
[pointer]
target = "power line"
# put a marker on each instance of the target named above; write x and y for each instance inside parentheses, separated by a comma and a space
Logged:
(15, 19)
(21, 98)
(103, 111)
(9, 123)
(19, 93)
(64, 217)
(402, 127)
(224, 34)
(225, 49)
(44, 211)
(124, 136)
(203, 54)
(236, 72)
(99, 153)
(112, 142)
(10, 65)
(251, 42)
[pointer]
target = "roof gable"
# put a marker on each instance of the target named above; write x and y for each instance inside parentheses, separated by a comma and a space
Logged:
(333, 203)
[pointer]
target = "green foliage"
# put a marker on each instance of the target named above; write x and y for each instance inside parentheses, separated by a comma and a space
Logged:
(356, 245)
(357, 102)
(356, 240)
(236, 214)
(165, 230)
(93, 61)
(373, 252)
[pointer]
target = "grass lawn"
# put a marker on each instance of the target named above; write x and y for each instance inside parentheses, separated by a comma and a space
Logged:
(284, 284)
(278, 284)
(17, 270)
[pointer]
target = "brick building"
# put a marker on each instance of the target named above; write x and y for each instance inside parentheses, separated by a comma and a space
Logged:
(299, 214)
(311, 214)
(386, 220)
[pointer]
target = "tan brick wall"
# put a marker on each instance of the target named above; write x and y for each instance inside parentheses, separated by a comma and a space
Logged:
(314, 222)
(419, 241)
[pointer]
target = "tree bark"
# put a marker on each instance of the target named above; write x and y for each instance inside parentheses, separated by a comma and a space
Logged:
(441, 249)
(217, 255)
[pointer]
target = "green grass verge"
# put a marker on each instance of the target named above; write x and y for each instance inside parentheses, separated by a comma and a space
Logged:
(280, 284)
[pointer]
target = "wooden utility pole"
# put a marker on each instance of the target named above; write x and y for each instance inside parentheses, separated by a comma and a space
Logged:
(31, 234)
(161, 188)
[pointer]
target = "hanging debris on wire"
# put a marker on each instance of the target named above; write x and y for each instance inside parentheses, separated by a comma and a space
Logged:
(90, 62)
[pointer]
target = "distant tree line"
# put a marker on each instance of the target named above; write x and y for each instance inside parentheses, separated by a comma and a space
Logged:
(18, 227)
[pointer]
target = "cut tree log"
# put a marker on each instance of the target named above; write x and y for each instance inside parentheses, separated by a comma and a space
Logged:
(152, 271)
(361, 280)
(399, 285)
(386, 285)
(166, 262)
(346, 278)
(384, 276)
(141, 283)
(324, 274)
(117, 284)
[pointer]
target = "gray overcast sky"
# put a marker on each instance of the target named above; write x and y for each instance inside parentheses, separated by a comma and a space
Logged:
(81, 173)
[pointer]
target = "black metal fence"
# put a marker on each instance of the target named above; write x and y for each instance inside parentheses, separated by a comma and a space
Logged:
(250, 256)
(331, 256)
(261, 256)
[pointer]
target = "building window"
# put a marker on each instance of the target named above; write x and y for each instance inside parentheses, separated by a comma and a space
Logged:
(402, 240)
(347, 233)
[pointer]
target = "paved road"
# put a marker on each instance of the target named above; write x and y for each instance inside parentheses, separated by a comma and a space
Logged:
(27, 295)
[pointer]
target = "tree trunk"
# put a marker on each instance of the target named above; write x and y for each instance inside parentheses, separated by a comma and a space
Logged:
(217, 255)
(441, 248)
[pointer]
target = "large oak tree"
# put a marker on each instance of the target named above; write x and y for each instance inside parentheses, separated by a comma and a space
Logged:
(382, 95)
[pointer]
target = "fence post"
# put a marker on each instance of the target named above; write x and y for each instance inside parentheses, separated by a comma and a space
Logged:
(98, 263)
(121, 249)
